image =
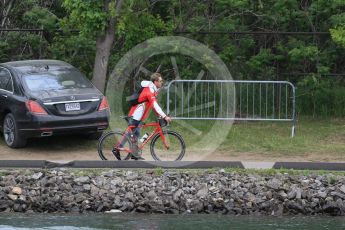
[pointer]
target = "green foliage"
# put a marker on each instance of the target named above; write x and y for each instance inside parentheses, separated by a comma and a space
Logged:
(338, 22)
(87, 16)
(135, 29)
(20, 46)
(338, 35)
(320, 96)
(261, 64)
(262, 57)
(158, 171)
(39, 17)
(304, 53)
(4, 50)
(77, 50)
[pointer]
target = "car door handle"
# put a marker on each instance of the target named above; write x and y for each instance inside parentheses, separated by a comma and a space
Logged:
(5, 96)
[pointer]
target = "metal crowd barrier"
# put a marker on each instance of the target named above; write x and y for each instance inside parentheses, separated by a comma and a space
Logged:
(236, 100)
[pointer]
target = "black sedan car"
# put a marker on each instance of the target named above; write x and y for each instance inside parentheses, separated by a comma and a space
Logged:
(41, 98)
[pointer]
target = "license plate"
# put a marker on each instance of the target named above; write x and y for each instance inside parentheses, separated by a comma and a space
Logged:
(72, 106)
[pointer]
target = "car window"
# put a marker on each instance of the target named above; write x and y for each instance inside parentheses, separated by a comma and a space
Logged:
(6, 80)
(55, 79)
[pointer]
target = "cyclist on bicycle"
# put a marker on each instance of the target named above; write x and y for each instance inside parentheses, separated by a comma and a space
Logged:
(147, 100)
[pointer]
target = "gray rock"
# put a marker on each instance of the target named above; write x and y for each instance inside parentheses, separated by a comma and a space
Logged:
(342, 188)
(17, 207)
(298, 193)
(151, 195)
(37, 176)
(292, 194)
(16, 191)
(22, 199)
(94, 191)
(173, 205)
(56, 198)
(235, 183)
(4, 204)
(67, 200)
(12, 197)
(82, 180)
(110, 173)
(130, 196)
(250, 197)
(249, 204)
(305, 183)
(194, 205)
(322, 194)
(87, 187)
(177, 195)
(313, 204)
(278, 210)
(214, 190)
(127, 206)
(331, 208)
(282, 195)
(75, 209)
(132, 176)
(79, 198)
(274, 184)
(269, 194)
(318, 183)
(340, 204)
(237, 210)
(51, 182)
(173, 192)
(116, 182)
(66, 187)
(338, 194)
(295, 206)
(328, 199)
(173, 211)
(203, 191)
(139, 190)
(141, 209)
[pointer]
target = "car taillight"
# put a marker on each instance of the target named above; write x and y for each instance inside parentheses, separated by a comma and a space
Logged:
(35, 108)
(104, 104)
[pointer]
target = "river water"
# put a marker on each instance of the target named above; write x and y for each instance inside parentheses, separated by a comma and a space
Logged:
(144, 221)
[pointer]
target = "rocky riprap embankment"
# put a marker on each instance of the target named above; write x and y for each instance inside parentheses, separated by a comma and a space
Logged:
(155, 191)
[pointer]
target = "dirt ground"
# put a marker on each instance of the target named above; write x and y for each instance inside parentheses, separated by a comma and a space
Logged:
(71, 148)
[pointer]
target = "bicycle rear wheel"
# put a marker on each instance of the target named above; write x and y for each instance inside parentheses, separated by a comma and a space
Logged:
(176, 147)
(109, 142)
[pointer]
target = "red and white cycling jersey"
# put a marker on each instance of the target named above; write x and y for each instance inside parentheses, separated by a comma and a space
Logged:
(148, 99)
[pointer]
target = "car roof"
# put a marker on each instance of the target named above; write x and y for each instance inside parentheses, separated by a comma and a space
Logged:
(36, 63)
(27, 66)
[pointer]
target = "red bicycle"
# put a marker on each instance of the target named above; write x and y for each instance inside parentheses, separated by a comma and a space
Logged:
(166, 145)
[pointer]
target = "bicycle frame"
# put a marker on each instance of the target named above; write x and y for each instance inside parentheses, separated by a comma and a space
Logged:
(130, 128)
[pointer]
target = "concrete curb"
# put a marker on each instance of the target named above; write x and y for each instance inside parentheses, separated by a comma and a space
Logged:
(172, 164)
(119, 164)
(310, 166)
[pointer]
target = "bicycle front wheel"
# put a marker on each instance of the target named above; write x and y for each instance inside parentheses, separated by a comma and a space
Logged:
(172, 150)
(110, 142)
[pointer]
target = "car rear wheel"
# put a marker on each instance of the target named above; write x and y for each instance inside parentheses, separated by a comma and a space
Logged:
(11, 133)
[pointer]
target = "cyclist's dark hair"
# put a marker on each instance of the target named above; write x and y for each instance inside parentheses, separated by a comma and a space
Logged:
(155, 77)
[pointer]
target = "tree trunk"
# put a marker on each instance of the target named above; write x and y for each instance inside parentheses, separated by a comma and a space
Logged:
(6, 12)
(103, 47)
